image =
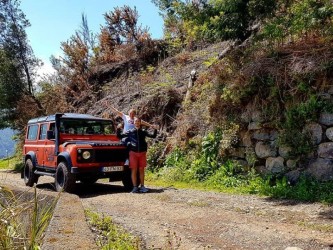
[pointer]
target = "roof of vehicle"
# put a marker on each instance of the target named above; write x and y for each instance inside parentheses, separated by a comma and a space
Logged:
(51, 118)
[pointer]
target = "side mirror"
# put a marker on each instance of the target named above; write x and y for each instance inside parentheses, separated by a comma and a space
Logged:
(50, 135)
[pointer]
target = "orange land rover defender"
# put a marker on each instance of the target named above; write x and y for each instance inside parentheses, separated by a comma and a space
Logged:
(73, 147)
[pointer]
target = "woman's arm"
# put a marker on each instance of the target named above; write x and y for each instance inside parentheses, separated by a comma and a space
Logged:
(118, 113)
(144, 123)
(151, 134)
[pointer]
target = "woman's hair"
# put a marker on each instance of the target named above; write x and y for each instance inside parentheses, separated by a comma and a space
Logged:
(132, 110)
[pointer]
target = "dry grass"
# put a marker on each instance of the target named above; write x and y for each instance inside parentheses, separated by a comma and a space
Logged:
(24, 217)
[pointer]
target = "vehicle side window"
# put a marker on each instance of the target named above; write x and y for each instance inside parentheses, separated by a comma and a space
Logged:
(52, 126)
(32, 132)
(42, 133)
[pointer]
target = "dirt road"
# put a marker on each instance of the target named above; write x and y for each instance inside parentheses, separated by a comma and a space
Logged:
(168, 218)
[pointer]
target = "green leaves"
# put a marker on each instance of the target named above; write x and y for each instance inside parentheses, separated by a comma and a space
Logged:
(212, 20)
(17, 61)
(300, 18)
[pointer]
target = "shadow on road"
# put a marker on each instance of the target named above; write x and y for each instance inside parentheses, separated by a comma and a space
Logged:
(96, 189)
(87, 191)
(326, 214)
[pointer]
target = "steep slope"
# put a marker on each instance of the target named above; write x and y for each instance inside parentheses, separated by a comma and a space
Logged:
(268, 103)
(157, 92)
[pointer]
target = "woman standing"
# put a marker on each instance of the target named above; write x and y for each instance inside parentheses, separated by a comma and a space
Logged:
(137, 145)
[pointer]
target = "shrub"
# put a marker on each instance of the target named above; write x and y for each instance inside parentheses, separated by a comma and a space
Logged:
(155, 156)
(225, 176)
(19, 167)
(295, 118)
(175, 159)
(306, 189)
(207, 162)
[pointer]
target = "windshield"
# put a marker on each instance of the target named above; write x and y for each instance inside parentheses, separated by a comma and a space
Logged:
(86, 127)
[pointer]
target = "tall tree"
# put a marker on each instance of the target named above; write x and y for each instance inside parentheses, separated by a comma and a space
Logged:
(122, 38)
(13, 40)
(212, 20)
(87, 36)
(17, 61)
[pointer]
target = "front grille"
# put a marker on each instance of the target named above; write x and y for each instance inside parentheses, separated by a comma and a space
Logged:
(108, 155)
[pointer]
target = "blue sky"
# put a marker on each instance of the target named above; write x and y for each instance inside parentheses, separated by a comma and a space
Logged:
(55, 21)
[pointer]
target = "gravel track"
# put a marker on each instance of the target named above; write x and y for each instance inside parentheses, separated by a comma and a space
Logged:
(192, 219)
(169, 218)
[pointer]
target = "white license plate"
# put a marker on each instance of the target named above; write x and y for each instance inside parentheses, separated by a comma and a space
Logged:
(113, 169)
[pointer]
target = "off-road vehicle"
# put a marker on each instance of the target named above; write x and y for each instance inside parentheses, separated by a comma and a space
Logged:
(73, 147)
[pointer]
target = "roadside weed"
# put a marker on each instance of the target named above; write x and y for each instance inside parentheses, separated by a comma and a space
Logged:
(23, 219)
(8, 163)
(110, 236)
(173, 241)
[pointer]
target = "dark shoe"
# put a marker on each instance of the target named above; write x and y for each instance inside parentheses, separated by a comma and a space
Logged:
(143, 189)
(135, 190)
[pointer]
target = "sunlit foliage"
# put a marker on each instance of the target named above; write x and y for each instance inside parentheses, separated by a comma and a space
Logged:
(17, 63)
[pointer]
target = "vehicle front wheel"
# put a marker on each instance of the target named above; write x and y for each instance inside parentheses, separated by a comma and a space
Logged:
(64, 180)
(29, 176)
(127, 180)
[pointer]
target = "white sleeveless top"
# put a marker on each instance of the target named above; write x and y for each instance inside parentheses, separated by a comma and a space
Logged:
(128, 123)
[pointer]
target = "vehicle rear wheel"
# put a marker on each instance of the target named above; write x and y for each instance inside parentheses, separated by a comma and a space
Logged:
(29, 176)
(64, 180)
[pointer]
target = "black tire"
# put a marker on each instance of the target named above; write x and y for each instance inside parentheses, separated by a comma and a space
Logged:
(30, 178)
(127, 180)
(64, 180)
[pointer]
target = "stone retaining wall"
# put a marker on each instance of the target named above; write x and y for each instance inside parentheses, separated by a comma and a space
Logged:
(259, 147)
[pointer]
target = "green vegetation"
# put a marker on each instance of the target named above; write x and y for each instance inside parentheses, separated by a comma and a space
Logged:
(17, 67)
(204, 167)
(12, 163)
(300, 18)
(111, 236)
(307, 189)
(23, 219)
(8, 163)
(190, 22)
(295, 118)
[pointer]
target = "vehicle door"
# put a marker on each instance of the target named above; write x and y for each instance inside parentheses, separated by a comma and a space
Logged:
(49, 159)
(31, 142)
(41, 144)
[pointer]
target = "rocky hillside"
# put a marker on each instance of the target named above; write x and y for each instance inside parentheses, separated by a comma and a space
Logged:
(157, 92)
(274, 107)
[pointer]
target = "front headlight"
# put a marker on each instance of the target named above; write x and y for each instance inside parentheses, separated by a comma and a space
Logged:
(86, 155)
